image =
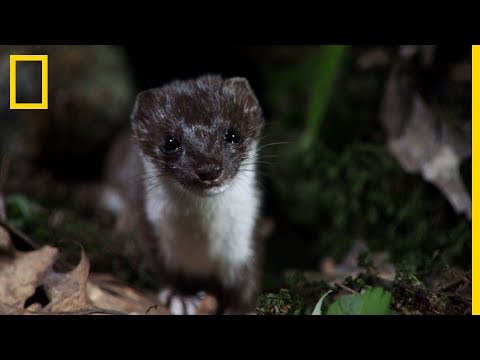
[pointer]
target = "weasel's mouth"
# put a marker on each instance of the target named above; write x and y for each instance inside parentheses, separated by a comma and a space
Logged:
(207, 188)
(212, 187)
(214, 190)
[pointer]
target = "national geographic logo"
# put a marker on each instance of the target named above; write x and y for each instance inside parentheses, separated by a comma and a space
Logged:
(13, 82)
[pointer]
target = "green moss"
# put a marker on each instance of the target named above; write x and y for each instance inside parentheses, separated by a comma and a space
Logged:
(345, 185)
(296, 296)
(363, 193)
(434, 288)
(282, 303)
(426, 286)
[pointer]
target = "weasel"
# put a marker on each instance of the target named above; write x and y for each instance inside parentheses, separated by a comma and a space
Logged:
(194, 147)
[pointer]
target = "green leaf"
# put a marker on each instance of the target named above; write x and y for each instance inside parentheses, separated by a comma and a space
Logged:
(374, 301)
(346, 305)
(318, 307)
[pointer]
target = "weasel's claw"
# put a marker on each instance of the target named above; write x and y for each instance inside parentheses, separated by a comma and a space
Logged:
(180, 304)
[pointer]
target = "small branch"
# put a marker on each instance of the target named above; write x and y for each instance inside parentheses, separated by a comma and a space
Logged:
(346, 288)
(4, 166)
(19, 234)
(154, 307)
(455, 282)
(88, 311)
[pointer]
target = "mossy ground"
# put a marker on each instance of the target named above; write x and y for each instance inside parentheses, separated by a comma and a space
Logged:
(432, 288)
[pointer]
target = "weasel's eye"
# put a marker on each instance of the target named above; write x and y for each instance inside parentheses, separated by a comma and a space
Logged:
(232, 137)
(171, 144)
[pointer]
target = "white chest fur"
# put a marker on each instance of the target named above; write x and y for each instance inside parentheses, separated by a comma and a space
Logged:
(205, 235)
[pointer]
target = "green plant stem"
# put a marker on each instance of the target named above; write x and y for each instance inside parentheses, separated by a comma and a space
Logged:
(329, 60)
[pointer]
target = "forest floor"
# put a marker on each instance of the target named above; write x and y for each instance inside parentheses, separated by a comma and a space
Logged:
(68, 261)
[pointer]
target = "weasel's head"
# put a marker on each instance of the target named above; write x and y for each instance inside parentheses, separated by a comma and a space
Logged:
(200, 133)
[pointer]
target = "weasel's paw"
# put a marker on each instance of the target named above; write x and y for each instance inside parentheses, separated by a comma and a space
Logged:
(180, 304)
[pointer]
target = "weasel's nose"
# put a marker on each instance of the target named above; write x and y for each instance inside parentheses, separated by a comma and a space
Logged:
(209, 172)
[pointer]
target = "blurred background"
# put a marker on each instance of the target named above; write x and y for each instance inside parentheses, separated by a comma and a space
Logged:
(368, 149)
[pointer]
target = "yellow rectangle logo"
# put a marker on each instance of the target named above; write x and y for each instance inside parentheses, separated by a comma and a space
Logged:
(13, 82)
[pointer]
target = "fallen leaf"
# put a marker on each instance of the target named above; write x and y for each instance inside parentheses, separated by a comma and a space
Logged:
(67, 291)
(377, 56)
(104, 291)
(422, 142)
(20, 276)
(208, 306)
(426, 53)
(4, 310)
(336, 272)
(74, 292)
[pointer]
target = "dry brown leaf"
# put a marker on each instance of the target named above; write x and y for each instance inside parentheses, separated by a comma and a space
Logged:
(374, 57)
(423, 143)
(104, 291)
(208, 306)
(4, 310)
(332, 272)
(67, 291)
(74, 292)
(20, 276)
(426, 53)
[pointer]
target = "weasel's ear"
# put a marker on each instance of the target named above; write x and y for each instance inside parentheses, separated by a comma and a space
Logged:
(242, 93)
(143, 104)
(142, 114)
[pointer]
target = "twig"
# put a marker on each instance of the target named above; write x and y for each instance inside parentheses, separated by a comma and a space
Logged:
(107, 287)
(88, 311)
(4, 166)
(19, 234)
(151, 307)
(452, 283)
(3, 210)
(6, 245)
(346, 288)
